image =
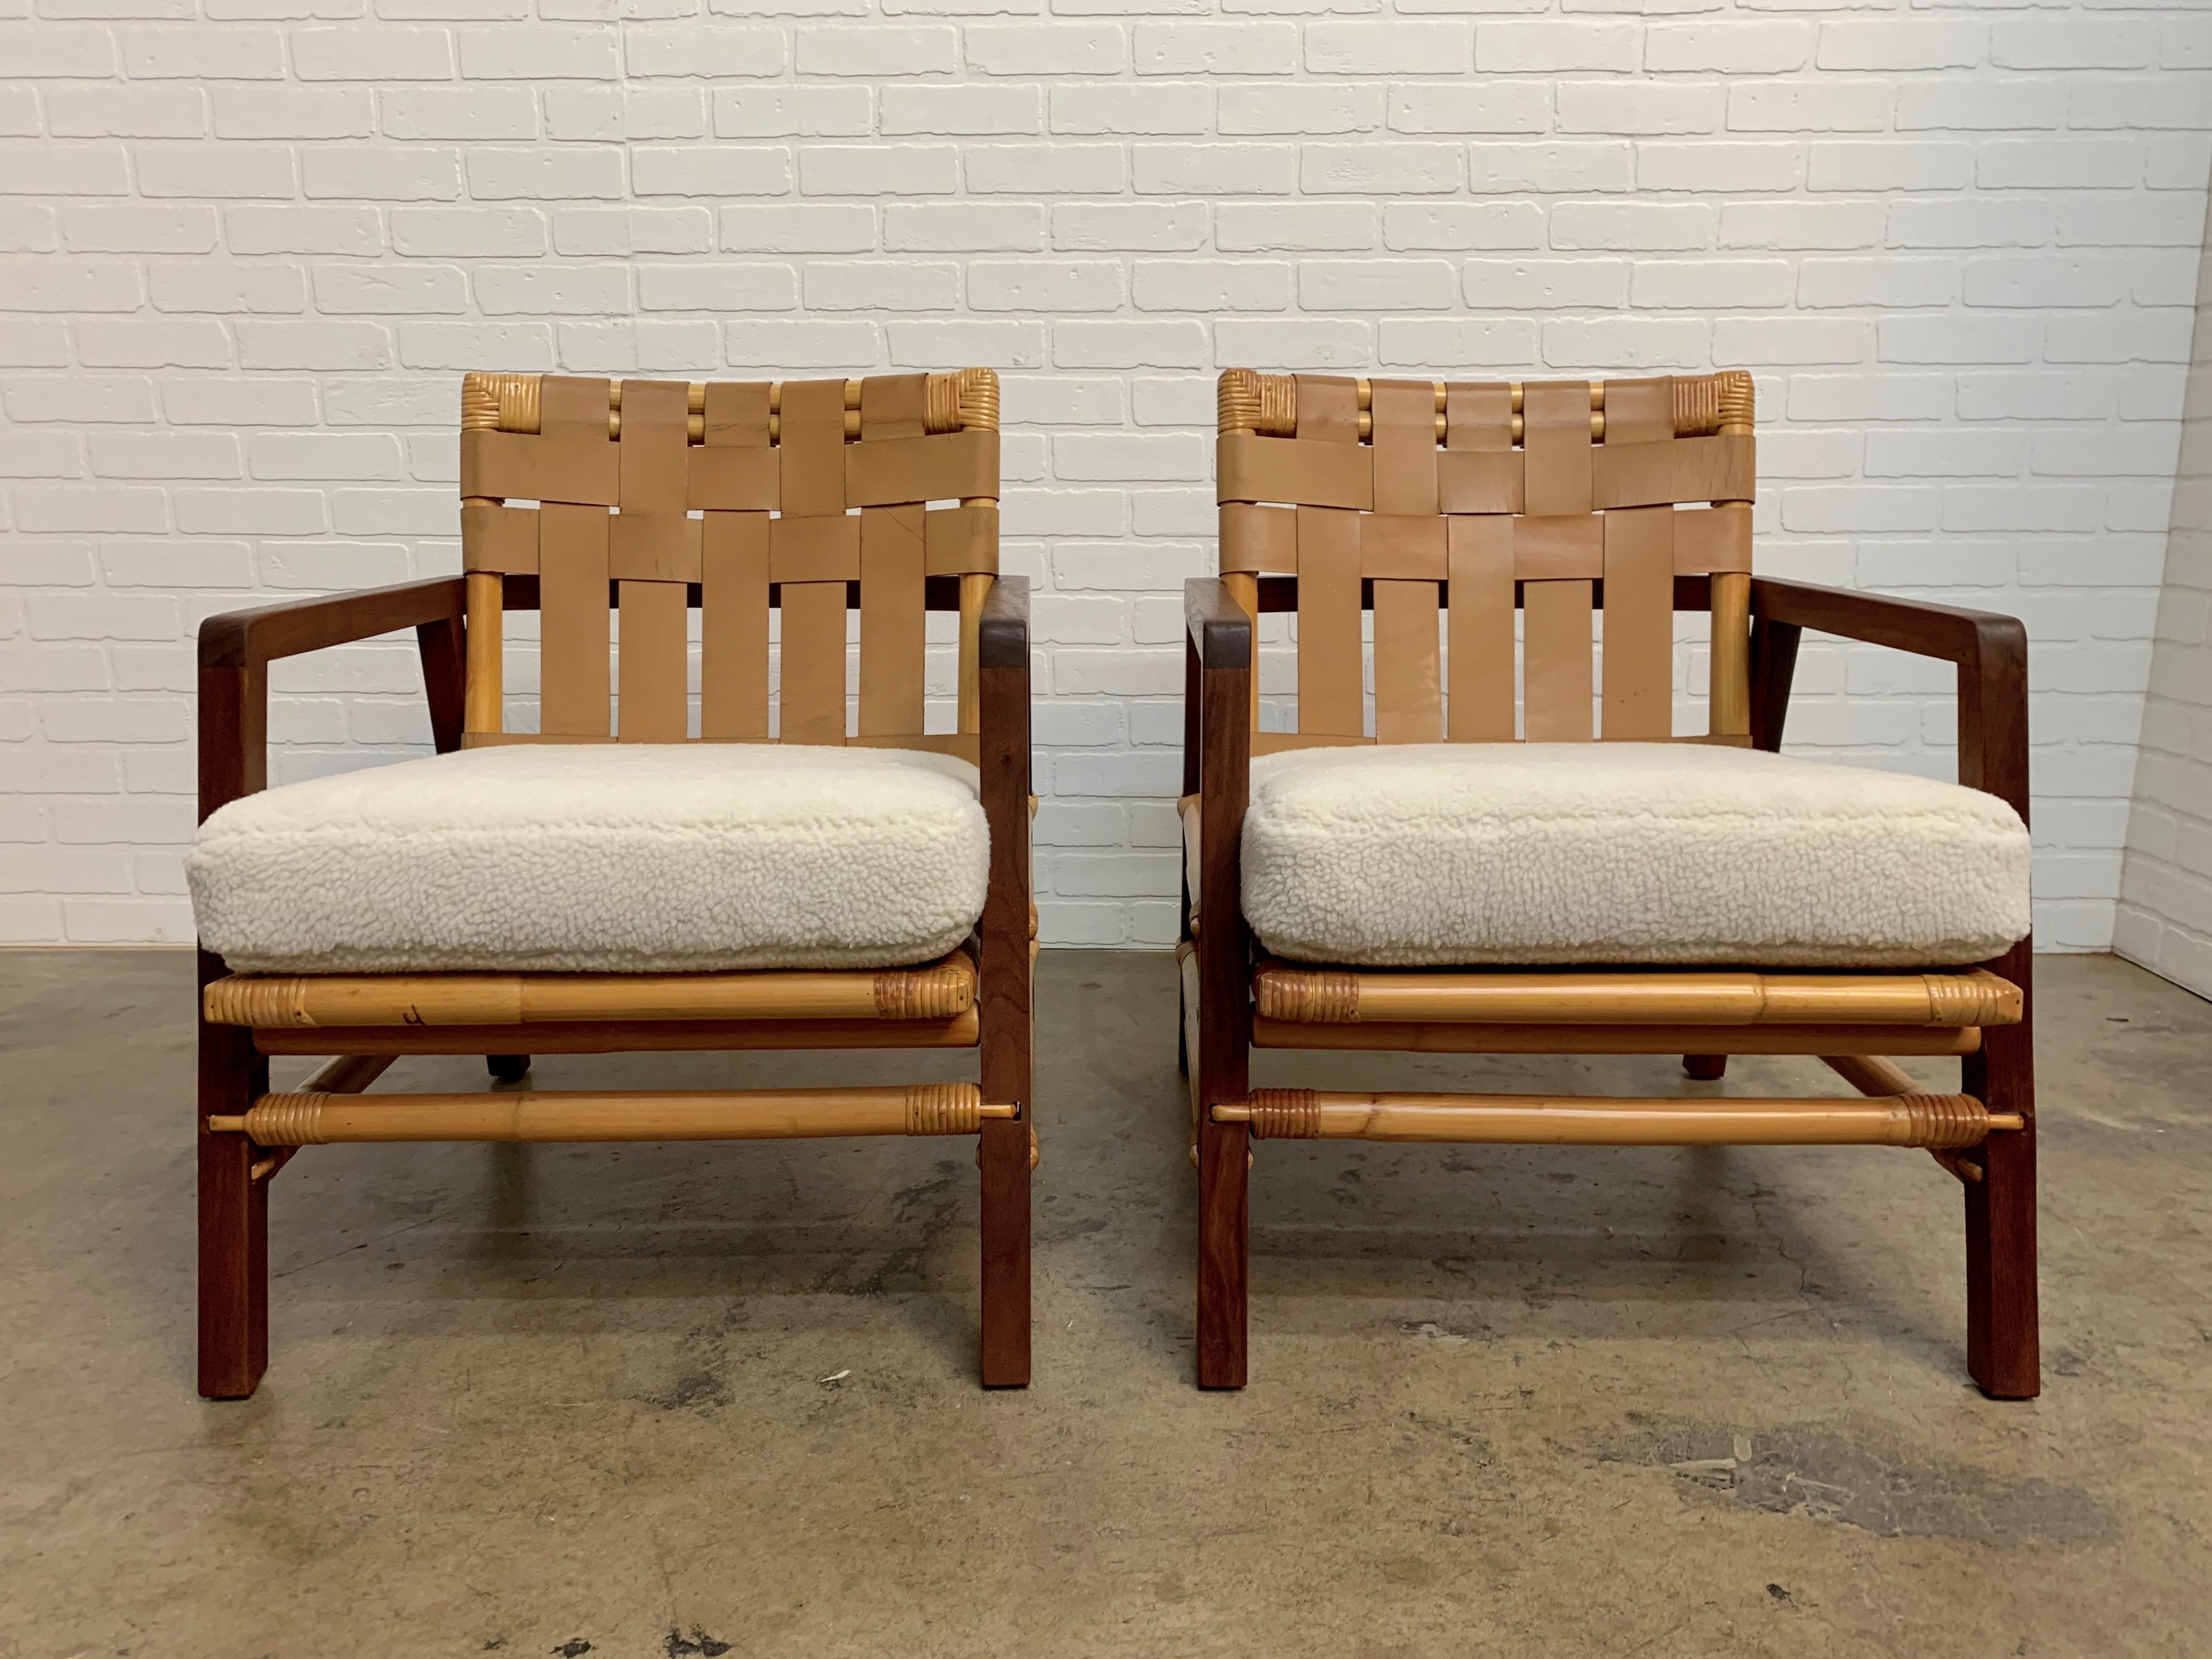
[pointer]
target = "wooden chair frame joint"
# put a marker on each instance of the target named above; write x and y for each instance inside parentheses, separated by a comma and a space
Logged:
(1003, 636)
(1220, 629)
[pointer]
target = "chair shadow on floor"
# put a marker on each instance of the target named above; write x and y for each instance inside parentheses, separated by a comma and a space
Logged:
(598, 1240)
(1613, 1244)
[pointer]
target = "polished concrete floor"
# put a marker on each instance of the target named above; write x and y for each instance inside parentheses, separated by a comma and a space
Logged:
(700, 1399)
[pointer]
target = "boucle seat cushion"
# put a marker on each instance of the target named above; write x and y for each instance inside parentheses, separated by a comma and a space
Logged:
(605, 858)
(1435, 855)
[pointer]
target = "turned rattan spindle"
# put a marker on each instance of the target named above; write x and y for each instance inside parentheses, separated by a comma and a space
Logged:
(489, 403)
(695, 425)
(940, 402)
(276, 1001)
(695, 407)
(943, 1108)
(775, 411)
(976, 407)
(1286, 1113)
(1246, 401)
(1365, 389)
(302, 1119)
(1871, 1075)
(1236, 401)
(1293, 992)
(1279, 405)
(1365, 400)
(1366, 423)
(1730, 656)
(1932, 1121)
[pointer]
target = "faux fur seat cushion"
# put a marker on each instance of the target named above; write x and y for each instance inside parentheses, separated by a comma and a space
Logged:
(1441, 854)
(599, 857)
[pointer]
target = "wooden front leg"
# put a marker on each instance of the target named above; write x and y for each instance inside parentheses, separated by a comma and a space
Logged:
(1008, 1063)
(234, 1214)
(2003, 1341)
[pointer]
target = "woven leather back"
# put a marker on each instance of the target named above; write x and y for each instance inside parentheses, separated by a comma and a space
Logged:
(1416, 499)
(653, 495)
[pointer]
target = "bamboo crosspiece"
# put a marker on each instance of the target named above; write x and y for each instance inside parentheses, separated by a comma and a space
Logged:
(1542, 1037)
(1906, 1120)
(940, 990)
(311, 1118)
(1289, 991)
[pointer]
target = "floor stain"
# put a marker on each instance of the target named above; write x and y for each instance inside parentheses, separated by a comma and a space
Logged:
(1871, 1483)
(698, 1642)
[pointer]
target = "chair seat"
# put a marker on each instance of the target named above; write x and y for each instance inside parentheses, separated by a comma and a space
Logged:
(601, 857)
(1437, 855)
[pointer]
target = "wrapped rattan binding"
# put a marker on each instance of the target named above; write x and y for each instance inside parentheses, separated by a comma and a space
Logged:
(952, 402)
(1247, 401)
(308, 1118)
(1709, 404)
(1943, 1122)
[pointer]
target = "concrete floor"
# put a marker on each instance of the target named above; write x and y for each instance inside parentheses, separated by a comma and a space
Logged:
(697, 1400)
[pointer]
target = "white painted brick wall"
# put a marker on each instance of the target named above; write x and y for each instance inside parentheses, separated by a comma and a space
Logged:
(2165, 919)
(243, 259)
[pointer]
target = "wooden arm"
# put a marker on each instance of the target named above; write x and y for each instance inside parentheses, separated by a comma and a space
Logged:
(1989, 650)
(237, 648)
(1219, 630)
(253, 638)
(1003, 629)
(1943, 631)
(1217, 759)
(1218, 650)
(1003, 756)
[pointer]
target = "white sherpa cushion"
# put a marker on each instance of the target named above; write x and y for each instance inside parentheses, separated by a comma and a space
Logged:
(605, 858)
(1437, 853)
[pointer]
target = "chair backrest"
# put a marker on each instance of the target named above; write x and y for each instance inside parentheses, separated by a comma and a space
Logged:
(1410, 498)
(655, 495)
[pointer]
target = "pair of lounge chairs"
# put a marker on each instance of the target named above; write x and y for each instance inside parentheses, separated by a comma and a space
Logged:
(843, 877)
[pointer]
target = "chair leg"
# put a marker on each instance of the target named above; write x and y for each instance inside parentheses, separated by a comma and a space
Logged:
(2003, 1352)
(1705, 1068)
(1224, 1247)
(507, 1068)
(1004, 1156)
(233, 1224)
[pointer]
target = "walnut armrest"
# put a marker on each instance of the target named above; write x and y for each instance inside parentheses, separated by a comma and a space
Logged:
(1002, 719)
(1003, 933)
(1219, 630)
(253, 638)
(1216, 767)
(1002, 704)
(1989, 651)
(1002, 639)
(236, 648)
(1218, 669)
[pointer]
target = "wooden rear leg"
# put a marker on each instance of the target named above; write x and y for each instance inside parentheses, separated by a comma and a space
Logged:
(2003, 1343)
(234, 1222)
(1705, 1068)
(507, 1068)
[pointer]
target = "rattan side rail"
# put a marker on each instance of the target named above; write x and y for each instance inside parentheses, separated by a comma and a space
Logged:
(1454, 506)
